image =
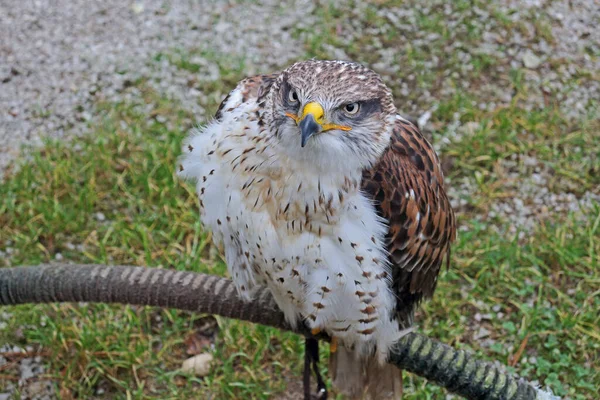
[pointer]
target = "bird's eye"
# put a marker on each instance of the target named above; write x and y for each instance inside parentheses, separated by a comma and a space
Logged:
(351, 108)
(292, 96)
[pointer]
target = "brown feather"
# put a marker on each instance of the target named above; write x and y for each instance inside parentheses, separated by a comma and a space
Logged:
(407, 188)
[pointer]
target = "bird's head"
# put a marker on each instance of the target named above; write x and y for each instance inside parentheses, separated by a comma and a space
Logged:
(331, 113)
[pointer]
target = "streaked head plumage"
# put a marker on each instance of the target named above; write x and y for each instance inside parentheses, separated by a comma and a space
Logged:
(326, 112)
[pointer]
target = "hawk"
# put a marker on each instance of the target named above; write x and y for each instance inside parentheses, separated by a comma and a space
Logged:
(317, 189)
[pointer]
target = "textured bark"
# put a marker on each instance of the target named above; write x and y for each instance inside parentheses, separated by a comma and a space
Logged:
(456, 370)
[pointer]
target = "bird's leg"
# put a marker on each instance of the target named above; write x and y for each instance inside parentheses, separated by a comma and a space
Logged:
(321, 387)
(306, 373)
(312, 351)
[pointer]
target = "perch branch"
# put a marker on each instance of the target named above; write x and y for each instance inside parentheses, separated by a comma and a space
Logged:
(455, 370)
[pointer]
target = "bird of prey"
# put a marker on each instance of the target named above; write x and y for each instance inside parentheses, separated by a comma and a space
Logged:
(317, 189)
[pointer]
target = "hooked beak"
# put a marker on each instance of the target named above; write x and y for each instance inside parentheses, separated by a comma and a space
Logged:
(308, 127)
(312, 121)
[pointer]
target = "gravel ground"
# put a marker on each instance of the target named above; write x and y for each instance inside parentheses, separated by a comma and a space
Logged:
(552, 57)
(57, 57)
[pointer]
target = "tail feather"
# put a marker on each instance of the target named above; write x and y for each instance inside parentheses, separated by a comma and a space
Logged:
(361, 378)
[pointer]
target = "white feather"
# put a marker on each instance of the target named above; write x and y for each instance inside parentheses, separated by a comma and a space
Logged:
(332, 281)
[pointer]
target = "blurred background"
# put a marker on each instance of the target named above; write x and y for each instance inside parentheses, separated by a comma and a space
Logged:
(96, 97)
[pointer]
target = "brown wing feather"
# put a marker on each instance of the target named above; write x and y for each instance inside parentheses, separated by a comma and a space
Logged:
(254, 86)
(407, 186)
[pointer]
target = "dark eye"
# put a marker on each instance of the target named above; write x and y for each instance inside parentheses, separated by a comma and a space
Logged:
(352, 108)
(292, 96)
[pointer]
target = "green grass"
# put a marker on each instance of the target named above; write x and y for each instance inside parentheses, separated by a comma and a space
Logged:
(535, 294)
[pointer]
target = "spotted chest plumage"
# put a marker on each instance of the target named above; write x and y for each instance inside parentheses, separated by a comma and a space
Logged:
(318, 244)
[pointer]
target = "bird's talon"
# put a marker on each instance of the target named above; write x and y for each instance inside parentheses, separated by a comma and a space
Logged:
(333, 345)
(315, 331)
(322, 394)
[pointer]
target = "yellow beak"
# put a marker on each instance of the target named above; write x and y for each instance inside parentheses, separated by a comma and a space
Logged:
(312, 121)
(314, 109)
